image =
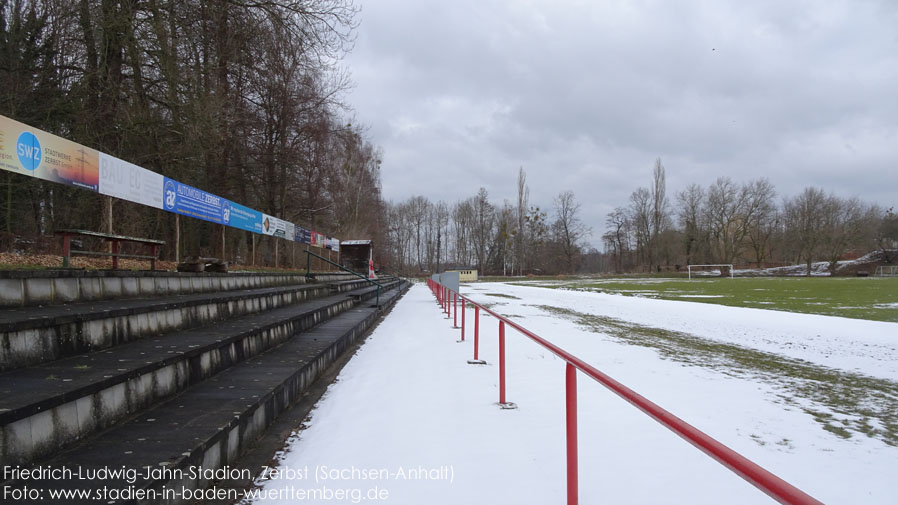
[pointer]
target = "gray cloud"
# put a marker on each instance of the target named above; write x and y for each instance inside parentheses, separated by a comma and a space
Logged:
(585, 95)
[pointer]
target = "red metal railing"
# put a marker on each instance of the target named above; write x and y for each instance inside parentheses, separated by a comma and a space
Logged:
(775, 487)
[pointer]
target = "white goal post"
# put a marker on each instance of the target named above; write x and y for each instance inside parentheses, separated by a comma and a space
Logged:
(887, 271)
(690, 267)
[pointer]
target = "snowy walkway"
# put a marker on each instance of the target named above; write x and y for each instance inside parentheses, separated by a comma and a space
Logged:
(410, 422)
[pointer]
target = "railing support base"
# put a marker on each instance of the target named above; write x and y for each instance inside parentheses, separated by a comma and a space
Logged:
(476, 362)
(507, 406)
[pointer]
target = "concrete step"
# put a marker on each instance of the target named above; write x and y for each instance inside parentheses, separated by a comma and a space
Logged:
(25, 288)
(32, 335)
(160, 452)
(45, 407)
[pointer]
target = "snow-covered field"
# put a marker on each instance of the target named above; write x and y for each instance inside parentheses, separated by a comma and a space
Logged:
(814, 399)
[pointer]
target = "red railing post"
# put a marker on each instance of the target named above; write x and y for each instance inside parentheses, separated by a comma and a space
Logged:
(463, 319)
(570, 404)
(476, 332)
(66, 249)
(115, 254)
(501, 362)
(455, 310)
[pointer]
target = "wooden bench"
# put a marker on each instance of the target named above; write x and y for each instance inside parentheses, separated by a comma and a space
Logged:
(67, 251)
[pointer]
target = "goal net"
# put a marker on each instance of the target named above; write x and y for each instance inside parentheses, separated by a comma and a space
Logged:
(722, 270)
(887, 271)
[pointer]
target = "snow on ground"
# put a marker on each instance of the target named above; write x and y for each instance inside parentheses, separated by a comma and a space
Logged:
(410, 422)
(869, 347)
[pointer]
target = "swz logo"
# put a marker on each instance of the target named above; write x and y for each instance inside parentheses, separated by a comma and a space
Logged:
(170, 195)
(29, 150)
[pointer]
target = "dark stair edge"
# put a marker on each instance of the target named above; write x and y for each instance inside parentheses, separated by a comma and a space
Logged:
(43, 316)
(62, 335)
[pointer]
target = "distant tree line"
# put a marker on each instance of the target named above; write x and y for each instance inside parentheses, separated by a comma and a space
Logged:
(741, 223)
(241, 99)
(514, 238)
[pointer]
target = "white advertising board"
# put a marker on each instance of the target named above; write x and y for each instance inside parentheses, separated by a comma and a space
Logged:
(274, 226)
(130, 182)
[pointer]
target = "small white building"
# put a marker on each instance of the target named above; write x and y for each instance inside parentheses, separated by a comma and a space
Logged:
(465, 274)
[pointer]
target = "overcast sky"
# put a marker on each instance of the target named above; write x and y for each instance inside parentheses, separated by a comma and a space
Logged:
(585, 95)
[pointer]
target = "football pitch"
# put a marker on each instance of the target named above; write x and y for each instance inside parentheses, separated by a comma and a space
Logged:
(871, 298)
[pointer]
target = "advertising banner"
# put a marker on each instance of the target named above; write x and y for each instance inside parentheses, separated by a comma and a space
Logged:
(245, 218)
(130, 182)
(280, 227)
(274, 226)
(302, 235)
(36, 153)
(193, 202)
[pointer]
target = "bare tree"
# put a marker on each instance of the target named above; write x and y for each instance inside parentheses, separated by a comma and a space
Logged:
(617, 238)
(886, 234)
(640, 216)
(762, 218)
(505, 238)
(483, 226)
(843, 225)
(535, 230)
(691, 202)
(441, 218)
(804, 218)
(660, 210)
(569, 230)
(419, 208)
(463, 221)
(521, 214)
(724, 219)
(649, 213)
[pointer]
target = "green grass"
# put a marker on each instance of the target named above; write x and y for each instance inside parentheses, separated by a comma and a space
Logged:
(859, 298)
(844, 403)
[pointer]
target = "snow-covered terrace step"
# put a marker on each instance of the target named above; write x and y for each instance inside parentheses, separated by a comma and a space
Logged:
(212, 423)
(32, 335)
(44, 408)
